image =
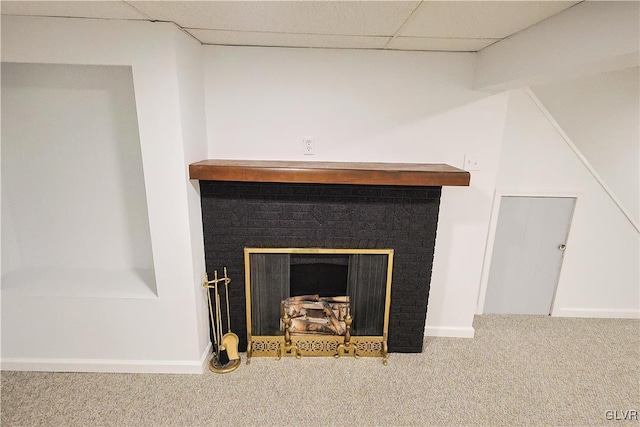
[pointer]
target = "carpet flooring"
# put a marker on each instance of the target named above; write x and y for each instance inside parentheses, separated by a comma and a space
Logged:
(518, 370)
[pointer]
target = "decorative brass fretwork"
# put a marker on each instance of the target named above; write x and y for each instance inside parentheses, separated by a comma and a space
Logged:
(368, 346)
(313, 345)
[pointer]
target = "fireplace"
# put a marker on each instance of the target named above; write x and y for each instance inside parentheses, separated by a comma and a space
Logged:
(395, 207)
(354, 318)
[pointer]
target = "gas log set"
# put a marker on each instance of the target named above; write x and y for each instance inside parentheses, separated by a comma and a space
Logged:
(312, 314)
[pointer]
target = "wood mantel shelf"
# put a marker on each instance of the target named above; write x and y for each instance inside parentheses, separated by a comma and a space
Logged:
(410, 174)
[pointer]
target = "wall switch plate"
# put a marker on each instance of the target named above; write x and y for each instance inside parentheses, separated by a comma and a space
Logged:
(307, 147)
(471, 162)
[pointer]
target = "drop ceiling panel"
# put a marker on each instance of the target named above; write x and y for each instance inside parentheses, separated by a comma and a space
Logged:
(479, 19)
(75, 9)
(242, 38)
(439, 44)
(373, 18)
(429, 25)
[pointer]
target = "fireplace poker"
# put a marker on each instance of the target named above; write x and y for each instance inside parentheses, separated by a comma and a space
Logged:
(223, 357)
(215, 335)
(229, 340)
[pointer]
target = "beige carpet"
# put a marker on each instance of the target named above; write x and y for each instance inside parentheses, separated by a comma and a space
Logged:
(519, 370)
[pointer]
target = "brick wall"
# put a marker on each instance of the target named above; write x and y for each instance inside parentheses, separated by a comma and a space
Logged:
(238, 215)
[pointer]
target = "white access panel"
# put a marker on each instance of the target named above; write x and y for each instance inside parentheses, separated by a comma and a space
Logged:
(527, 255)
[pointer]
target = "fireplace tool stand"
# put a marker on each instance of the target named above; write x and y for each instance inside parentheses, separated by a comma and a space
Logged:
(224, 360)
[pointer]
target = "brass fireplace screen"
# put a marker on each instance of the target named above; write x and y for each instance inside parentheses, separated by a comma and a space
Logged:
(352, 285)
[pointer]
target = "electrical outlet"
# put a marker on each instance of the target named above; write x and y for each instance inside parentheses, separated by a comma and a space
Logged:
(471, 162)
(307, 147)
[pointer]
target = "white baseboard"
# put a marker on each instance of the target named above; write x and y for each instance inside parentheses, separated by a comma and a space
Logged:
(108, 365)
(204, 359)
(597, 313)
(453, 332)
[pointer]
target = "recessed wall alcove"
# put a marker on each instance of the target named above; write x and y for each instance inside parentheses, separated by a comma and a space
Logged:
(328, 205)
(74, 208)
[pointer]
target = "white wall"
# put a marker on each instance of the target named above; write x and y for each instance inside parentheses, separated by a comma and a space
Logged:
(70, 141)
(160, 334)
(370, 106)
(600, 272)
(601, 115)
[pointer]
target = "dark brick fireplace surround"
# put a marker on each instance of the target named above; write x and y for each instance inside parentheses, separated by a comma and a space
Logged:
(239, 210)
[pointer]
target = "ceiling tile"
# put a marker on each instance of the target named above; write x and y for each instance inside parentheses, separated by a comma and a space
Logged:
(372, 18)
(439, 44)
(479, 19)
(245, 38)
(75, 9)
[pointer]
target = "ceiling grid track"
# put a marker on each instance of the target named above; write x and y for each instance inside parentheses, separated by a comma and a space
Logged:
(406, 21)
(135, 9)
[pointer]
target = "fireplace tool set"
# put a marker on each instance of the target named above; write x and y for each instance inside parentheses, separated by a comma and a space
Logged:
(225, 356)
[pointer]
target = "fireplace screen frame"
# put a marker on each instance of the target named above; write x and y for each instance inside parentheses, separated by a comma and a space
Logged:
(316, 344)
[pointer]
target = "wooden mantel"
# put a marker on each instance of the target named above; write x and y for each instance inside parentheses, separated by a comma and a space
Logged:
(411, 174)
